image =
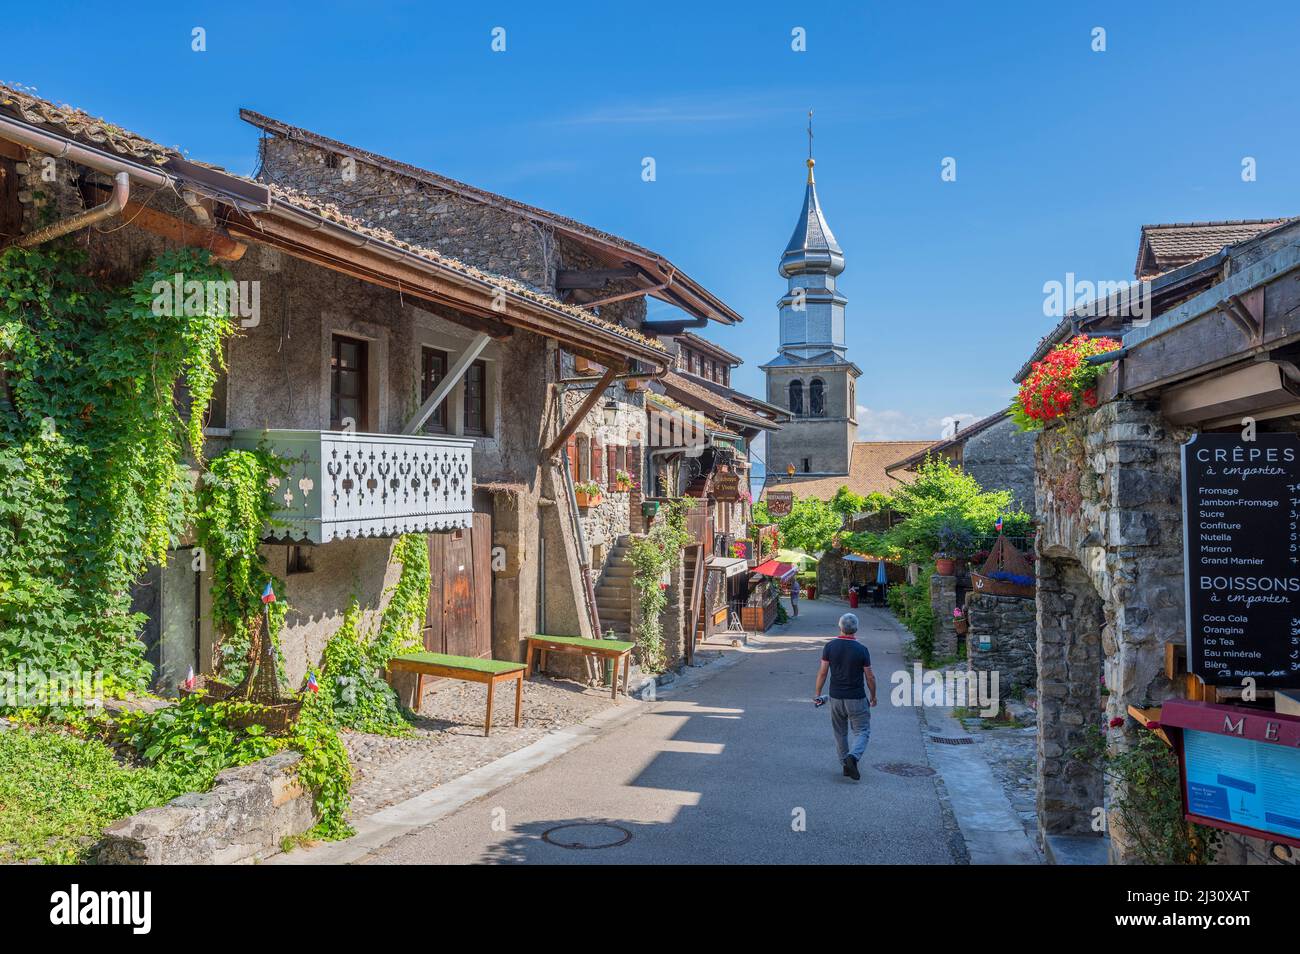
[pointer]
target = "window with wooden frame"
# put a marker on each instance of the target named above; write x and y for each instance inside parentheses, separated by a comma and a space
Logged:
(349, 382)
(433, 368)
(476, 404)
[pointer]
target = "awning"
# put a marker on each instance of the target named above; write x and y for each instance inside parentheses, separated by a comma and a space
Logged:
(776, 570)
(730, 566)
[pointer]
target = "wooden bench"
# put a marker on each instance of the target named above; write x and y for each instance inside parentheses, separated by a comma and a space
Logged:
(615, 649)
(488, 671)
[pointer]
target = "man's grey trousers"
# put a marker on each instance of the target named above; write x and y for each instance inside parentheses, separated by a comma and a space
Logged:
(850, 715)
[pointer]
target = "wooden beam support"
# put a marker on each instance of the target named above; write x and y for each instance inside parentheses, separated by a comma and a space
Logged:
(449, 381)
(568, 278)
(221, 245)
(602, 385)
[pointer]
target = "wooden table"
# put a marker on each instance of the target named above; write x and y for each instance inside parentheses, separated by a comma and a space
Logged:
(613, 649)
(468, 668)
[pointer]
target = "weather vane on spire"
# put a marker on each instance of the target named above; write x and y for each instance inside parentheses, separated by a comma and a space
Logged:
(811, 163)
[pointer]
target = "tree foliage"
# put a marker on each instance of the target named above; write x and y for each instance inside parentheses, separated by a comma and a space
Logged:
(941, 510)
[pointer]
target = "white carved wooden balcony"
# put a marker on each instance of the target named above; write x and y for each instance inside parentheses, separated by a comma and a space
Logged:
(341, 485)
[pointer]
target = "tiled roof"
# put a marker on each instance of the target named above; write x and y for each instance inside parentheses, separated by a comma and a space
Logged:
(1163, 247)
(961, 437)
(325, 210)
(690, 391)
(704, 344)
(867, 472)
(81, 126)
(276, 127)
(668, 404)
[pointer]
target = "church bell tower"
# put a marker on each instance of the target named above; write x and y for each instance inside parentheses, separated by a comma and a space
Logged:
(810, 376)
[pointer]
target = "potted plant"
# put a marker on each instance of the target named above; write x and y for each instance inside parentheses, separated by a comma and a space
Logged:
(954, 539)
(588, 494)
(960, 624)
(622, 481)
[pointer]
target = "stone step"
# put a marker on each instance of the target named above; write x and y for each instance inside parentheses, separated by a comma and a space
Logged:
(613, 595)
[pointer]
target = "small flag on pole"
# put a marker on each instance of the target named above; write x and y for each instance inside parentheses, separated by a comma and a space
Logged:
(311, 682)
(188, 684)
(997, 526)
(268, 594)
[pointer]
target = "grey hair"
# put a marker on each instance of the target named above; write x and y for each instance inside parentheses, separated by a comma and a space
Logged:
(848, 624)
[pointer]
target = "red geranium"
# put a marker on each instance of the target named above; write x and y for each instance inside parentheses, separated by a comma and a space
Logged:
(1062, 380)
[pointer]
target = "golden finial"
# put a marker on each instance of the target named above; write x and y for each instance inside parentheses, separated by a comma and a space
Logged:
(811, 162)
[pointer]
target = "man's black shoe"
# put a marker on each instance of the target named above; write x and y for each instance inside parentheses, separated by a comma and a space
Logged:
(851, 768)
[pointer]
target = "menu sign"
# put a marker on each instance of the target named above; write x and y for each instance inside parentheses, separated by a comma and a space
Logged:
(1241, 546)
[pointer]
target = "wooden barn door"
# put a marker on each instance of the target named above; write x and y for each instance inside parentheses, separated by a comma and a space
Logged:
(459, 616)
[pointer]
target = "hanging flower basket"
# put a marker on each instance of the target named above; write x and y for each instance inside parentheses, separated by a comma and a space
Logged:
(1062, 382)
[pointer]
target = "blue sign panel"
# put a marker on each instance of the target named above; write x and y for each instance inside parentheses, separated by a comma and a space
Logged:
(1243, 782)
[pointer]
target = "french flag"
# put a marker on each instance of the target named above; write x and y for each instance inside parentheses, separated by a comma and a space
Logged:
(997, 526)
(268, 594)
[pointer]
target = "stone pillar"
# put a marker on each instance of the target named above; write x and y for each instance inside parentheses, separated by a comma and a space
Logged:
(1069, 618)
(943, 600)
(1009, 625)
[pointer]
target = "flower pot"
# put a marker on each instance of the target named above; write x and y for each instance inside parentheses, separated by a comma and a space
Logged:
(945, 566)
(586, 500)
(961, 626)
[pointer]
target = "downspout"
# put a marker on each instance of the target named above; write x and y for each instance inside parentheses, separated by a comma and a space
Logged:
(107, 210)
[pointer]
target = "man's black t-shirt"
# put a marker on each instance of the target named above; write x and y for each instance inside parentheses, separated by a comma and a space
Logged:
(847, 657)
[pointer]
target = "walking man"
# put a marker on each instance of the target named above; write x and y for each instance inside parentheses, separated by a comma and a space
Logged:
(794, 596)
(849, 664)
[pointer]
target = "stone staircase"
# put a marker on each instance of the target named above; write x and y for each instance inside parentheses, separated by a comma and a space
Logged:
(614, 592)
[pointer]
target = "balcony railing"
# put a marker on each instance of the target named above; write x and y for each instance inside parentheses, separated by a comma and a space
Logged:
(342, 485)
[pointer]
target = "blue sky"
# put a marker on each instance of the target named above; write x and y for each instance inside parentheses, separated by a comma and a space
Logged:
(1062, 152)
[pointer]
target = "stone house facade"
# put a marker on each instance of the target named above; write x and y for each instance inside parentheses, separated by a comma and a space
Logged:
(364, 318)
(1112, 620)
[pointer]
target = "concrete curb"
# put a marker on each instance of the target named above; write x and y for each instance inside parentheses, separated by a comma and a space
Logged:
(378, 829)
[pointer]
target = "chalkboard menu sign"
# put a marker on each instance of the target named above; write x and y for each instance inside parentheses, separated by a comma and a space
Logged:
(1241, 547)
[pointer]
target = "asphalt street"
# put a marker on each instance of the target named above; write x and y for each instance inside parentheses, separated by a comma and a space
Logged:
(738, 768)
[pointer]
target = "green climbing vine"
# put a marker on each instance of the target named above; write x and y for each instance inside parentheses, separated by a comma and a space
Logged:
(93, 488)
(234, 510)
(651, 557)
(354, 660)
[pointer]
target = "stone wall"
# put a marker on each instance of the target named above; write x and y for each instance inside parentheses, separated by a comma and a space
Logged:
(1009, 625)
(1110, 591)
(1002, 458)
(242, 820)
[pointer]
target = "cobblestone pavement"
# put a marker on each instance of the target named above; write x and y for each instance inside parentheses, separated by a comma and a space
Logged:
(448, 740)
(1011, 754)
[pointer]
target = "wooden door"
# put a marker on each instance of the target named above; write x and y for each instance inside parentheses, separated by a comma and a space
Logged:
(459, 616)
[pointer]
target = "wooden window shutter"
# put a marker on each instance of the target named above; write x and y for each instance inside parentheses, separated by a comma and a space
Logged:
(596, 461)
(610, 468)
(571, 448)
(633, 463)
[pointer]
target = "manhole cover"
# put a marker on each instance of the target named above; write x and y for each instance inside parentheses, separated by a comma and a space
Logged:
(587, 835)
(905, 769)
(944, 740)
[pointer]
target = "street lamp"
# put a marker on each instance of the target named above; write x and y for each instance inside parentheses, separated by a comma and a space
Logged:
(611, 414)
